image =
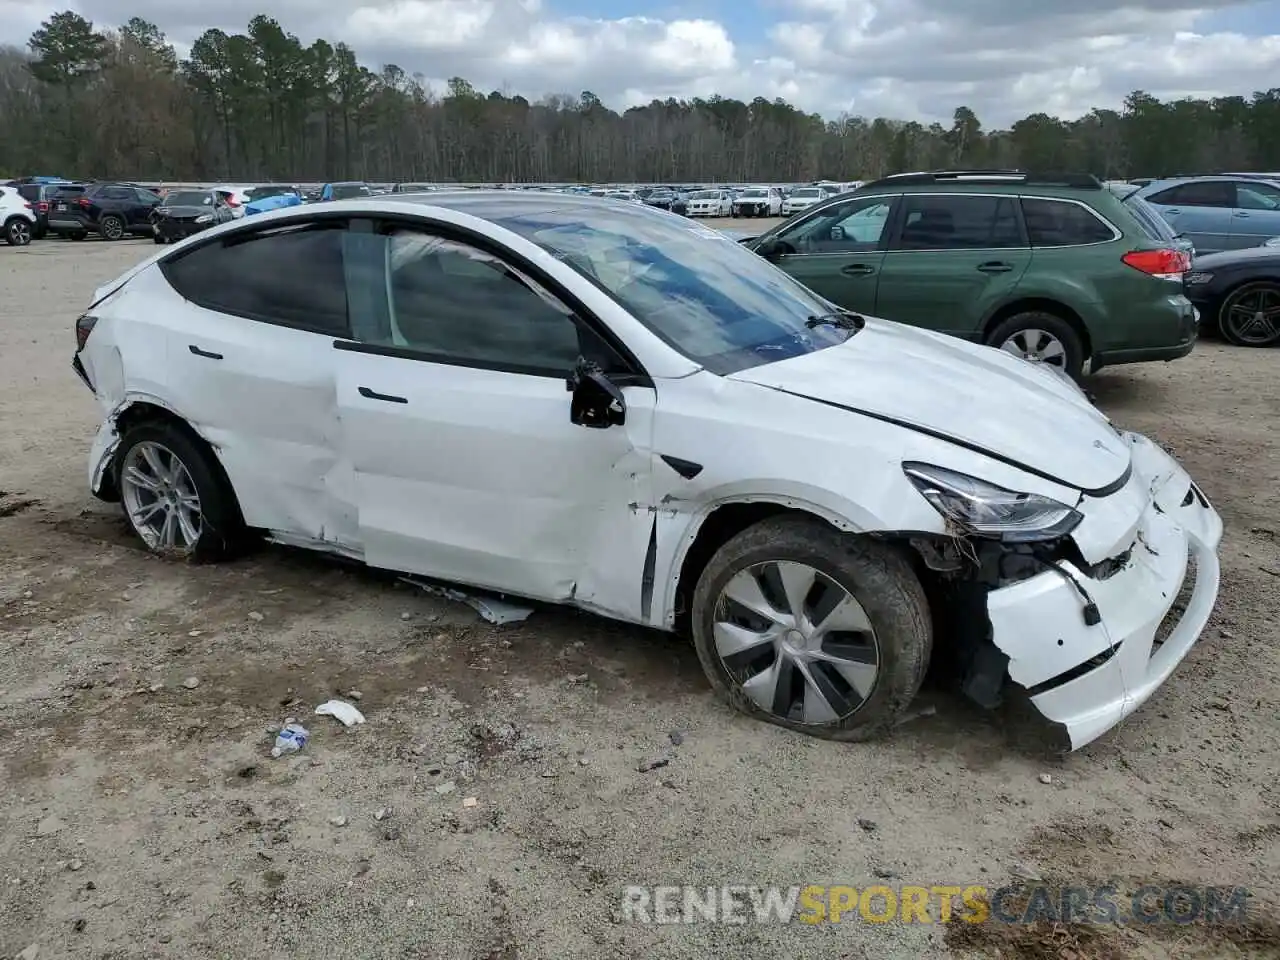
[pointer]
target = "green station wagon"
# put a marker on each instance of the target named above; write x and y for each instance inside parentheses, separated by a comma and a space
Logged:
(1054, 269)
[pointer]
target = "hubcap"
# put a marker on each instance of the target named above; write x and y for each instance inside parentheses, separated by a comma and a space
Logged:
(1254, 315)
(796, 642)
(161, 497)
(1037, 346)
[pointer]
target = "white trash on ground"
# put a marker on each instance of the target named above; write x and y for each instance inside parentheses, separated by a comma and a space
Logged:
(342, 711)
(290, 740)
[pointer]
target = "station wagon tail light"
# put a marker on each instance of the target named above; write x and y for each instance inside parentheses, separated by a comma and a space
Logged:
(1166, 264)
(84, 327)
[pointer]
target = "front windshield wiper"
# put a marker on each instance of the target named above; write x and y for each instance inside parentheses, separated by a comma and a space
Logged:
(843, 320)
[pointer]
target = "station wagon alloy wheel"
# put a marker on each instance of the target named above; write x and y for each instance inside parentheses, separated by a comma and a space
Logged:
(1037, 346)
(160, 497)
(797, 643)
(1250, 317)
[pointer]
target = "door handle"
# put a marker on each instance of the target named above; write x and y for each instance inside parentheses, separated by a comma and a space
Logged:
(203, 353)
(1173, 211)
(1241, 213)
(373, 395)
(857, 270)
(995, 266)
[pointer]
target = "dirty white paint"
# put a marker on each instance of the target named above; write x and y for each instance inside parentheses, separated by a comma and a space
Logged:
(480, 478)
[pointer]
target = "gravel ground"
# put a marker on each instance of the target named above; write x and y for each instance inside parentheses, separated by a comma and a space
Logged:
(143, 817)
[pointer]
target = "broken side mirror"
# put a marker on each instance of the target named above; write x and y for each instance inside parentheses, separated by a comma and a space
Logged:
(597, 401)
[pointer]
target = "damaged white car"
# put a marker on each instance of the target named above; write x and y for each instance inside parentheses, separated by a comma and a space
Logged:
(584, 402)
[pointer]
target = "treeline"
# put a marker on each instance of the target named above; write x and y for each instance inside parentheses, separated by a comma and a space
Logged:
(260, 105)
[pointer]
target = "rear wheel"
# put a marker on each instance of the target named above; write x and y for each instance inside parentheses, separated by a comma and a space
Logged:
(111, 227)
(1041, 337)
(811, 629)
(1250, 315)
(175, 495)
(17, 232)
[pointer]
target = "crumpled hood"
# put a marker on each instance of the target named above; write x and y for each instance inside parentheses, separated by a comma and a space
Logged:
(975, 395)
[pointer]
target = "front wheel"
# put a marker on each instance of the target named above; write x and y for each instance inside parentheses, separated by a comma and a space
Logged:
(17, 232)
(803, 626)
(175, 495)
(111, 227)
(1250, 315)
(1041, 337)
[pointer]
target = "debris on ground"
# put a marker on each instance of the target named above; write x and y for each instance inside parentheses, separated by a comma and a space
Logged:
(49, 826)
(470, 802)
(578, 678)
(382, 814)
(870, 826)
(493, 609)
(191, 682)
(290, 740)
(1046, 778)
(676, 738)
(342, 711)
(339, 821)
(1023, 871)
(653, 763)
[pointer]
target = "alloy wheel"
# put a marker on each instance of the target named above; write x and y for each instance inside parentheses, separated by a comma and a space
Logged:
(19, 233)
(112, 229)
(1251, 315)
(796, 642)
(160, 497)
(1036, 346)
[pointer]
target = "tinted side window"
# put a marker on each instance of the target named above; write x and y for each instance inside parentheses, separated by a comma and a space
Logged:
(454, 303)
(29, 191)
(117, 193)
(1207, 193)
(291, 276)
(959, 223)
(1059, 223)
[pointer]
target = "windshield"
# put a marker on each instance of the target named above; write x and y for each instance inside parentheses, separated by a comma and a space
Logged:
(706, 295)
(188, 198)
(807, 192)
(755, 192)
(706, 195)
(345, 191)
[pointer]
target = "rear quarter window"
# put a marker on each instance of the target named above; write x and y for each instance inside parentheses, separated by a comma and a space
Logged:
(1062, 223)
(291, 276)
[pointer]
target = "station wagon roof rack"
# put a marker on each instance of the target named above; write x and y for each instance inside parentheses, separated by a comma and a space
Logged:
(1082, 180)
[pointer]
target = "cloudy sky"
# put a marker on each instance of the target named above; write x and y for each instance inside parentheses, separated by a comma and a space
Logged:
(910, 59)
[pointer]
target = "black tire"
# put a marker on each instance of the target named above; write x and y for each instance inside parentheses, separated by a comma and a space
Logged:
(111, 227)
(223, 534)
(17, 232)
(878, 576)
(1230, 324)
(1050, 323)
(157, 238)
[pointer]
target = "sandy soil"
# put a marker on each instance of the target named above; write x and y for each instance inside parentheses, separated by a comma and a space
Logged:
(140, 818)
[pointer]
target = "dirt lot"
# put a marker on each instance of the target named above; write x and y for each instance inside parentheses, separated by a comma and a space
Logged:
(140, 818)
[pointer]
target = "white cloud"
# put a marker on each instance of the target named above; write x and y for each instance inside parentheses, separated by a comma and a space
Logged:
(912, 59)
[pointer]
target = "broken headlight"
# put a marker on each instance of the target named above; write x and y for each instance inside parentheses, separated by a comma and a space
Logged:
(985, 510)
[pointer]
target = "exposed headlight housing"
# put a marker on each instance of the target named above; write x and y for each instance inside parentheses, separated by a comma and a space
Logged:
(986, 510)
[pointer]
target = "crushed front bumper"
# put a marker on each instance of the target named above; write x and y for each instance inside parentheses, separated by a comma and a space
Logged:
(1089, 678)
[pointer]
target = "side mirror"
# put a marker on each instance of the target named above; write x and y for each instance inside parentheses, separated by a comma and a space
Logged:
(770, 250)
(597, 401)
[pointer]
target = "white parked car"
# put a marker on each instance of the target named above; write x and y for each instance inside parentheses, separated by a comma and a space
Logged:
(599, 404)
(235, 196)
(17, 218)
(802, 198)
(758, 202)
(710, 203)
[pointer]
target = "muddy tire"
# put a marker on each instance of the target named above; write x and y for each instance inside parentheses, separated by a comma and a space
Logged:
(1043, 337)
(811, 629)
(175, 495)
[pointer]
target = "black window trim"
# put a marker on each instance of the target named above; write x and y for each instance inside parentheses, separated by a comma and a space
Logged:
(898, 217)
(237, 237)
(581, 314)
(1116, 232)
(348, 220)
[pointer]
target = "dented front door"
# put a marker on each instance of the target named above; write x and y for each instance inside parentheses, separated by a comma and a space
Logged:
(477, 476)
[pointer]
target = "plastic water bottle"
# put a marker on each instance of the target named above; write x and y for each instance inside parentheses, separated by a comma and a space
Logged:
(290, 740)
